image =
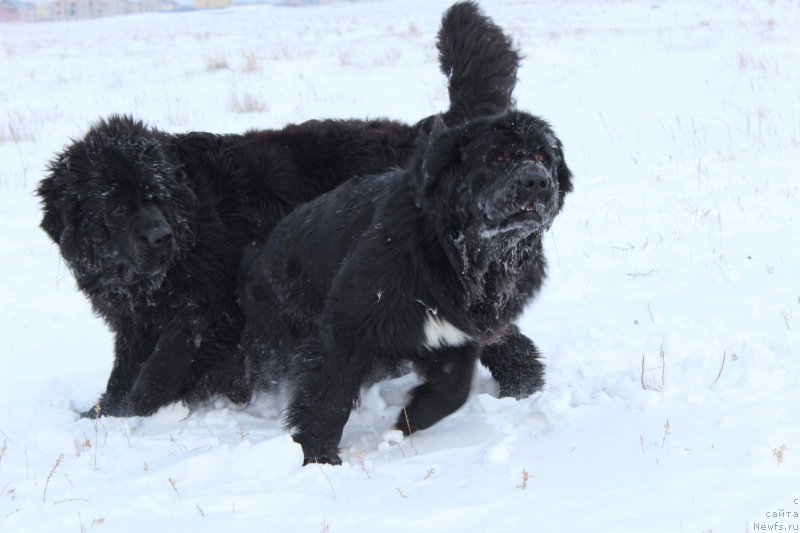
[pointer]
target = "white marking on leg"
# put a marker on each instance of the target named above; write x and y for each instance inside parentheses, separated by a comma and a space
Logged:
(439, 333)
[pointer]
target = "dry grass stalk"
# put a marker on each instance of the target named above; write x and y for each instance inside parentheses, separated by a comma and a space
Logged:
(525, 478)
(779, 453)
(97, 410)
(360, 460)
(50, 476)
(721, 367)
(216, 63)
(250, 63)
(410, 433)
(642, 374)
(248, 104)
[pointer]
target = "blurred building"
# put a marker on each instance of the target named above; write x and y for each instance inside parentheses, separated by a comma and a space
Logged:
(211, 4)
(88, 9)
(58, 10)
(9, 11)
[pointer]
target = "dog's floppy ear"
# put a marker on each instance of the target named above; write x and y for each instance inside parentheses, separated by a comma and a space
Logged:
(563, 174)
(443, 151)
(51, 191)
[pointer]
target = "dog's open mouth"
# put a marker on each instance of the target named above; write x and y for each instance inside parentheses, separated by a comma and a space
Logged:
(527, 212)
(527, 218)
(528, 207)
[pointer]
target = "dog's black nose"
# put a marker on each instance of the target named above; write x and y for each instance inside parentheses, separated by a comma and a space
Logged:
(535, 181)
(537, 184)
(159, 236)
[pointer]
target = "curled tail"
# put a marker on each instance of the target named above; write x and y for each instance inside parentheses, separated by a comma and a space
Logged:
(480, 63)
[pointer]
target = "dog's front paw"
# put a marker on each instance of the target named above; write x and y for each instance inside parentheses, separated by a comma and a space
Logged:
(520, 387)
(324, 459)
(321, 454)
(516, 366)
(145, 402)
(106, 407)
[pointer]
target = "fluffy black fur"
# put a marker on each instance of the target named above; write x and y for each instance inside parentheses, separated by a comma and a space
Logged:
(153, 225)
(431, 264)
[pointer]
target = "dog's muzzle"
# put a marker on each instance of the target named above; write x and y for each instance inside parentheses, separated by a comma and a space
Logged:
(536, 187)
(531, 199)
(153, 244)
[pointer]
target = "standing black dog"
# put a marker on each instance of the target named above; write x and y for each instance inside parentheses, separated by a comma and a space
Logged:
(153, 225)
(430, 264)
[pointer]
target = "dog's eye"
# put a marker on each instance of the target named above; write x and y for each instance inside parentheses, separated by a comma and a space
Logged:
(500, 159)
(541, 158)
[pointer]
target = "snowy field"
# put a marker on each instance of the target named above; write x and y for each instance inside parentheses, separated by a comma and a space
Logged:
(670, 321)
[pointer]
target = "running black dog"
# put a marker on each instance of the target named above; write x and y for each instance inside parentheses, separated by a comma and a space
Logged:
(153, 224)
(430, 264)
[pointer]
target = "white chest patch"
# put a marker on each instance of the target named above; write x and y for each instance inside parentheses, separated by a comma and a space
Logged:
(439, 333)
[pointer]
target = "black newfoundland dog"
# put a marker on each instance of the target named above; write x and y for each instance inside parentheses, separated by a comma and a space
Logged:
(430, 264)
(153, 225)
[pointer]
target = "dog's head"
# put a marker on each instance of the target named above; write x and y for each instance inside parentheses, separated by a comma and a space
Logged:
(503, 174)
(116, 206)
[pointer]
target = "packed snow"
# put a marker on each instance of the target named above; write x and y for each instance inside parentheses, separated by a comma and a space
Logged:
(670, 320)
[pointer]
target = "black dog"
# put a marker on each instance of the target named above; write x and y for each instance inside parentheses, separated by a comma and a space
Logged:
(430, 264)
(153, 225)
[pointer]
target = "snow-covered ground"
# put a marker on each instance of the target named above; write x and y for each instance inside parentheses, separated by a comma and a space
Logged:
(671, 319)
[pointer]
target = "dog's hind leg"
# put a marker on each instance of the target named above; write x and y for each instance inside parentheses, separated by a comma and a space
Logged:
(447, 375)
(515, 364)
